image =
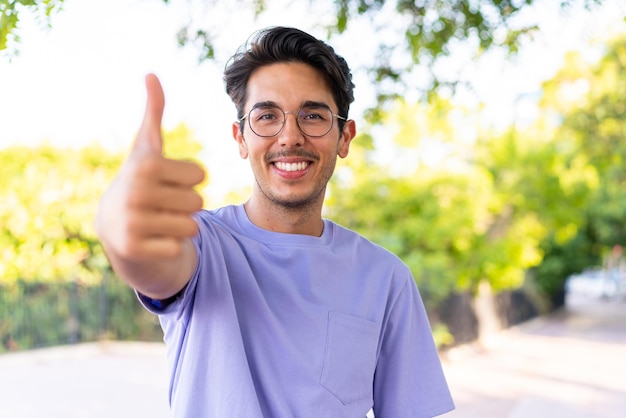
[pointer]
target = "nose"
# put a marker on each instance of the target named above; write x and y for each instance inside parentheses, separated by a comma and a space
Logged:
(290, 135)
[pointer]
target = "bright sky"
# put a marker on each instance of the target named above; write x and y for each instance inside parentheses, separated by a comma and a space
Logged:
(82, 80)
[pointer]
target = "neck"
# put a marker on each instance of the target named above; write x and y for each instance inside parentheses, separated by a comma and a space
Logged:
(306, 220)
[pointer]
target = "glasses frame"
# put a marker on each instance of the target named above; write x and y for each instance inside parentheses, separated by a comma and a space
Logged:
(296, 113)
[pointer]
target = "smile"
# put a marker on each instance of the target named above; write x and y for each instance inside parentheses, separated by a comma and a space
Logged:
(300, 166)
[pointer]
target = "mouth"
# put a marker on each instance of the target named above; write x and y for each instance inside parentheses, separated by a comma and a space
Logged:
(292, 166)
(293, 163)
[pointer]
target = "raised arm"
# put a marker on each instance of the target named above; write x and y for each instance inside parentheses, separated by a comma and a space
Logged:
(144, 219)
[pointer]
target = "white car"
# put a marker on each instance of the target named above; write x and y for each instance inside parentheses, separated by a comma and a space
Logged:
(598, 283)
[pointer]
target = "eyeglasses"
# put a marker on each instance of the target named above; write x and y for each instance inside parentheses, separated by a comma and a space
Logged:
(313, 120)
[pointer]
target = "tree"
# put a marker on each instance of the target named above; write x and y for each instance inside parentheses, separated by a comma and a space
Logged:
(56, 285)
(546, 199)
(46, 214)
(540, 182)
(412, 37)
(587, 100)
(11, 10)
(413, 34)
(463, 217)
(48, 200)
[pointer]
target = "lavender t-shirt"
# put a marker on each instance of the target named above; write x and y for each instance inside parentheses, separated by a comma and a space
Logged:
(284, 325)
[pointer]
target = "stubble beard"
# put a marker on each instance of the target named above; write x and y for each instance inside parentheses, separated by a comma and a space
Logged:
(294, 202)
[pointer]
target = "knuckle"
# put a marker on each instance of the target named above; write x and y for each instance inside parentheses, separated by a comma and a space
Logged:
(130, 248)
(134, 224)
(138, 197)
(192, 171)
(173, 250)
(148, 167)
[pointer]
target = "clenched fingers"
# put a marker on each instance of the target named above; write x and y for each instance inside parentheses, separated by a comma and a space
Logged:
(165, 197)
(162, 224)
(162, 170)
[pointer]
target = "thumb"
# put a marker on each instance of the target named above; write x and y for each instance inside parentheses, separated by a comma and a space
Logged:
(149, 138)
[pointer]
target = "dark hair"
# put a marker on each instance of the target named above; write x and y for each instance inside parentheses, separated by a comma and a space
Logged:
(282, 44)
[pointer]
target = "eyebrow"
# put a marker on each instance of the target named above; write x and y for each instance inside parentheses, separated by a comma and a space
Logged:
(311, 103)
(267, 103)
(307, 103)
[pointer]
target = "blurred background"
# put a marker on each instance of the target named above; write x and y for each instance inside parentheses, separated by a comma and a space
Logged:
(490, 158)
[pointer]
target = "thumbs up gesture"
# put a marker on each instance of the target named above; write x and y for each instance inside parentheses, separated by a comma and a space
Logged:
(144, 219)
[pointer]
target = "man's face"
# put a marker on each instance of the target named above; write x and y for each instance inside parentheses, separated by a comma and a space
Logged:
(291, 169)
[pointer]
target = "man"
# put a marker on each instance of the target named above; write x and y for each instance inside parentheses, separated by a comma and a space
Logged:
(269, 310)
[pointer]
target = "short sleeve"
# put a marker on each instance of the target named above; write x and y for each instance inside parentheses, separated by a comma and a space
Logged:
(409, 380)
(159, 305)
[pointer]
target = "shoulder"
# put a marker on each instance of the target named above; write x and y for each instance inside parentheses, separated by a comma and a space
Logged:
(223, 220)
(371, 262)
(350, 240)
(224, 214)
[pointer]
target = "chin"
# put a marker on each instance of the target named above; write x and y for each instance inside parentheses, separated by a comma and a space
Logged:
(294, 201)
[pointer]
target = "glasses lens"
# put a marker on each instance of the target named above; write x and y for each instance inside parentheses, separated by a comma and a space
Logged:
(315, 120)
(266, 121)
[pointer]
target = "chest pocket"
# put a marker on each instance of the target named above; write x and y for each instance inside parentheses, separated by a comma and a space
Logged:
(350, 357)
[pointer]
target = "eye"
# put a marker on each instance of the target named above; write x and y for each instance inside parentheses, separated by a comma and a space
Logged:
(266, 114)
(314, 114)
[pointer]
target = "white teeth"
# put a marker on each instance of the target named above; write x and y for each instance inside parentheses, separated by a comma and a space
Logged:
(291, 166)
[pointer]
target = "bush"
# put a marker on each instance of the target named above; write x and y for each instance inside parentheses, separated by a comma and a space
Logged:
(34, 315)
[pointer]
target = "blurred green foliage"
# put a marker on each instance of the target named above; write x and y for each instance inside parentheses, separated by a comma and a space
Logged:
(412, 33)
(588, 101)
(47, 204)
(536, 203)
(56, 285)
(42, 314)
(11, 11)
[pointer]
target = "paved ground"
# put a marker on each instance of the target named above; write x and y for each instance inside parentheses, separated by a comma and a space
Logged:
(571, 364)
(85, 381)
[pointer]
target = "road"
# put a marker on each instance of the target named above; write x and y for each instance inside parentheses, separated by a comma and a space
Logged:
(571, 364)
(99, 380)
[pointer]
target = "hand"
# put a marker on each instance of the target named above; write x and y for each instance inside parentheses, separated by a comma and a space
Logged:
(146, 214)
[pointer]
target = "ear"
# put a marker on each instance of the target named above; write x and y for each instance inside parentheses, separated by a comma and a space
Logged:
(347, 135)
(241, 142)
